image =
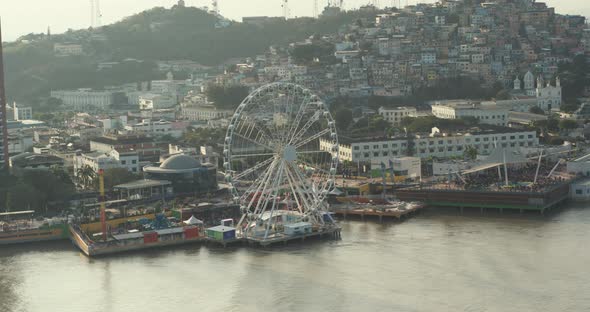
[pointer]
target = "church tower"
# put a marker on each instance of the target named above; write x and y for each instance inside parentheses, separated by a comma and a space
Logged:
(516, 83)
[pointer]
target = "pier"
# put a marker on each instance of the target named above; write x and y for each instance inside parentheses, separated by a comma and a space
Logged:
(379, 213)
(331, 232)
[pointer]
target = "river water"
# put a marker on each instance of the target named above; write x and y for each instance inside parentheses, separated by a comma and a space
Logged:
(436, 261)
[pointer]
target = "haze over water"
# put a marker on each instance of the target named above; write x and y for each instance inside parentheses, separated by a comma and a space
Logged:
(26, 16)
(433, 262)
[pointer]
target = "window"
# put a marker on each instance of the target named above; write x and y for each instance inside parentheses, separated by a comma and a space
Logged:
(579, 192)
(521, 137)
(123, 162)
(486, 139)
(134, 161)
(385, 146)
(441, 142)
(356, 148)
(512, 137)
(449, 149)
(422, 150)
(530, 136)
(477, 140)
(503, 138)
(366, 147)
(367, 155)
(441, 149)
(385, 153)
(375, 146)
(375, 154)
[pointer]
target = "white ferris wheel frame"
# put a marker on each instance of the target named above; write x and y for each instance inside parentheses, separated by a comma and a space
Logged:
(283, 163)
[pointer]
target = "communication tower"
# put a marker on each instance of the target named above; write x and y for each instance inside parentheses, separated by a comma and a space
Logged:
(286, 9)
(95, 13)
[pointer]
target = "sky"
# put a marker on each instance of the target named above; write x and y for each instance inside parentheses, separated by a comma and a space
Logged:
(20, 17)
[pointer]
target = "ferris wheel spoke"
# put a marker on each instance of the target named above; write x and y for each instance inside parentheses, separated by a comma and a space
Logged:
(257, 167)
(260, 186)
(251, 140)
(307, 190)
(312, 138)
(274, 198)
(300, 113)
(298, 133)
(252, 155)
(312, 152)
(297, 194)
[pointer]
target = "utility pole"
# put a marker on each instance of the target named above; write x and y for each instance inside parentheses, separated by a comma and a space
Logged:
(3, 121)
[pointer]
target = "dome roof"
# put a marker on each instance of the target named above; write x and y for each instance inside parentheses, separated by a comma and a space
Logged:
(180, 162)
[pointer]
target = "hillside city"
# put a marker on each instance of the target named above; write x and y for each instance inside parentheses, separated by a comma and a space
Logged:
(443, 84)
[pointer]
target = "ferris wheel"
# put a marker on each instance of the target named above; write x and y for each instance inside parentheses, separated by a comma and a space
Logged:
(281, 156)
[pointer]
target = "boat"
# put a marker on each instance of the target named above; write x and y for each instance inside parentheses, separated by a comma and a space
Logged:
(16, 230)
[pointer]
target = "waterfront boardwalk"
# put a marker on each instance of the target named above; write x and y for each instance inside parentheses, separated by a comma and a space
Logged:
(376, 212)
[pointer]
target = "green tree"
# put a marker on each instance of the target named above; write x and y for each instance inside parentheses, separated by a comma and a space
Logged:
(470, 153)
(227, 97)
(86, 176)
(116, 176)
(566, 125)
(537, 110)
(343, 118)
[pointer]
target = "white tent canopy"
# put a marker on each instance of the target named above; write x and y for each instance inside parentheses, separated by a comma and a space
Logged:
(193, 221)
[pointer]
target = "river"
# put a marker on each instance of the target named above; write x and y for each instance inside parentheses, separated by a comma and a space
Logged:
(436, 261)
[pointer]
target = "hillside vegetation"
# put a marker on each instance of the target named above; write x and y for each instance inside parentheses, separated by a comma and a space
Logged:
(32, 69)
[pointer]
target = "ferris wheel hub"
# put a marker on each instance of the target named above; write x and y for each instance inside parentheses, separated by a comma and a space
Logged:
(290, 153)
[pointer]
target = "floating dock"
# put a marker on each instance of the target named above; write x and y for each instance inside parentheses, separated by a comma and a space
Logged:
(378, 212)
(134, 241)
(483, 200)
(333, 232)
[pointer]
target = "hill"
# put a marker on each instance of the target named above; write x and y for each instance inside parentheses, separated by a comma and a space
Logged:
(32, 69)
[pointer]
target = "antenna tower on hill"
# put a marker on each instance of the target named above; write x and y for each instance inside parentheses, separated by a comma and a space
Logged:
(95, 14)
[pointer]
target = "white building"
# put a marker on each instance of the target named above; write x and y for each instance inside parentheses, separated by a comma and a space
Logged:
(397, 114)
(156, 101)
(580, 166)
(285, 72)
(203, 112)
(104, 161)
(435, 144)
(548, 96)
(67, 49)
(155, 128)
(22, 112)
(486, 114)
(85, 99)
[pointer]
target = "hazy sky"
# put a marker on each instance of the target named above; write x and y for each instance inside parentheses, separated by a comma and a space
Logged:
(21, 17)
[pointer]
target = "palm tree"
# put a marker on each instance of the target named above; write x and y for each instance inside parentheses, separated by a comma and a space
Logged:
(85, 176)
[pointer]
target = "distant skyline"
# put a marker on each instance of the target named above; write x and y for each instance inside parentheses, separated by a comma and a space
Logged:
(26, 16)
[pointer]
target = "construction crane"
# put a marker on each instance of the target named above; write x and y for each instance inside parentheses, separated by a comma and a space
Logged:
(95, 13)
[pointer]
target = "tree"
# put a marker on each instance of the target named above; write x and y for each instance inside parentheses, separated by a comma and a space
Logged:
(503, 95)
(343, 118)
(470, 153)
(566, 125)
(227, 97)
(116, 176)
(537, 110)
(86, 176)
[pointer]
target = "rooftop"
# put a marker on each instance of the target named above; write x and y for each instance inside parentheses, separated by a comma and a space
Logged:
(140, 184)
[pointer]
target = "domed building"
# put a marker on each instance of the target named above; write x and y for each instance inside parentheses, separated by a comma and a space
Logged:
(186, 173)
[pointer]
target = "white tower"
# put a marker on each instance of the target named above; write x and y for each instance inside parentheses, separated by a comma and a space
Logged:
(516, 83)
(95, 14)
(529, 81)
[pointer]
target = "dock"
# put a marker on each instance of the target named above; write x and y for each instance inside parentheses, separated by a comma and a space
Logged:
(377, 212)
(333, 232)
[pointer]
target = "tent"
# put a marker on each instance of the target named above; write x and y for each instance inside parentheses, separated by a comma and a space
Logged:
(193, 221)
